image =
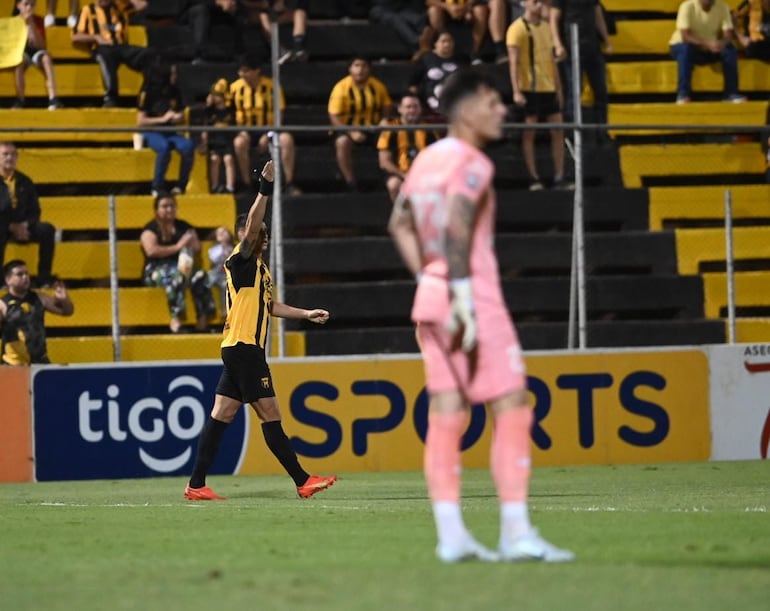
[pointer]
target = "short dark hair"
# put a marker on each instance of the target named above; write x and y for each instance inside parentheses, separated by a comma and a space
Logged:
(240, 222)
(251, 61)
(12, 265)
(460, 85)
(161, 196)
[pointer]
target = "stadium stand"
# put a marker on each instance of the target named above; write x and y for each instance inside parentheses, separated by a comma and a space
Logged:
(654, 200)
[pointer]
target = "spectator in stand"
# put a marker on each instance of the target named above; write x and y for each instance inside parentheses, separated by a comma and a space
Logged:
(170, 246)
(20, 214)
(104, 26)
(283, 12)
(398, 148)
(34, 54)
(592, 32)
(252, 99)
(50, 17)
(474, 13)
(361, 100)
(218, 145)
(408, 19)
(752, 18)
(22, 316)
(160, 104)
(218, 253)
(703, 35)
(431, 70)
(537, 91)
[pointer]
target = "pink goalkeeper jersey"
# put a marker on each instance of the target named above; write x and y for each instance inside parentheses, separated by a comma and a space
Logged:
(448, 167)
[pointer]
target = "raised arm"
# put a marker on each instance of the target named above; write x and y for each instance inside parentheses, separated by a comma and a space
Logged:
(257, 211)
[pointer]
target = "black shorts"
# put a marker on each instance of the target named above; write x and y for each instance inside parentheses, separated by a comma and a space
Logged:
(540, 105)
(246, 376)
(221, 147)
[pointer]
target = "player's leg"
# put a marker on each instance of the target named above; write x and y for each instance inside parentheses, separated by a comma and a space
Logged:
(222, 415)
(447, 420)
(278, 443)
(511, 469)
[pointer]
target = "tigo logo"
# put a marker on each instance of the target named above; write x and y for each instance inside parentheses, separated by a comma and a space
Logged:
(126, 422)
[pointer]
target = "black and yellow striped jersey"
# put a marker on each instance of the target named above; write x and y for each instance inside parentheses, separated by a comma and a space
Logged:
(405, 144)
(359, 105)
(254, 106)
(249, 299)
(752, 19)
(111, 22)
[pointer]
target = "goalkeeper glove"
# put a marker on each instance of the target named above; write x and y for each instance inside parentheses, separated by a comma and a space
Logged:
(461, 313)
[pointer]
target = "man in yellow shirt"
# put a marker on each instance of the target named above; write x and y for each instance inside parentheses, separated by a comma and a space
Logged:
(537, 91)
(704, 35)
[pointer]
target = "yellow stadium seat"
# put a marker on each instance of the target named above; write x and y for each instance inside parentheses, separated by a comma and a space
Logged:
(69, 118)
(135, 211)
(630, 6)
(643, 160)
(707, 203)
(90, 260)
(660, 77)
(163, 347)
(72, 80)
(752, 330)
(695, 114)
(138, 307)
(642, 37)
(752, 289)
(697, 246)
(59, 40)
(102, 165)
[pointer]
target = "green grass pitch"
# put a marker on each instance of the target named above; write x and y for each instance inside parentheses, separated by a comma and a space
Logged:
(673, 536)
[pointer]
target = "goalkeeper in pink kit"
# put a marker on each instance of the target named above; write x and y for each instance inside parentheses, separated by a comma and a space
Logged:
(443, 226)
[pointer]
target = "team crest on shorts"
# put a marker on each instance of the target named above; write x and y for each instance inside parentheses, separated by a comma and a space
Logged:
(265, 382)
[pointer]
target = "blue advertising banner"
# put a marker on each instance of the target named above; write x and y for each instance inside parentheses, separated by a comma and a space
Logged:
(119, 422)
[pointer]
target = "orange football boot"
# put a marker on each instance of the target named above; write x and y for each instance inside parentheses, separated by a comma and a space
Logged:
(202, 494)
(315, 484)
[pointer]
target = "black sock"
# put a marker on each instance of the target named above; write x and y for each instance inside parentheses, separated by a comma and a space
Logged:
(279, 445)
(208, 444)
(299, 42)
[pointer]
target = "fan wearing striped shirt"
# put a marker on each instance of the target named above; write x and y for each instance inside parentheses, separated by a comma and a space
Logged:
(251, 96)
(361, 100)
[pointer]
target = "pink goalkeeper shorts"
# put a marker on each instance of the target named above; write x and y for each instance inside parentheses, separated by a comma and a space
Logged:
(494, 369)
